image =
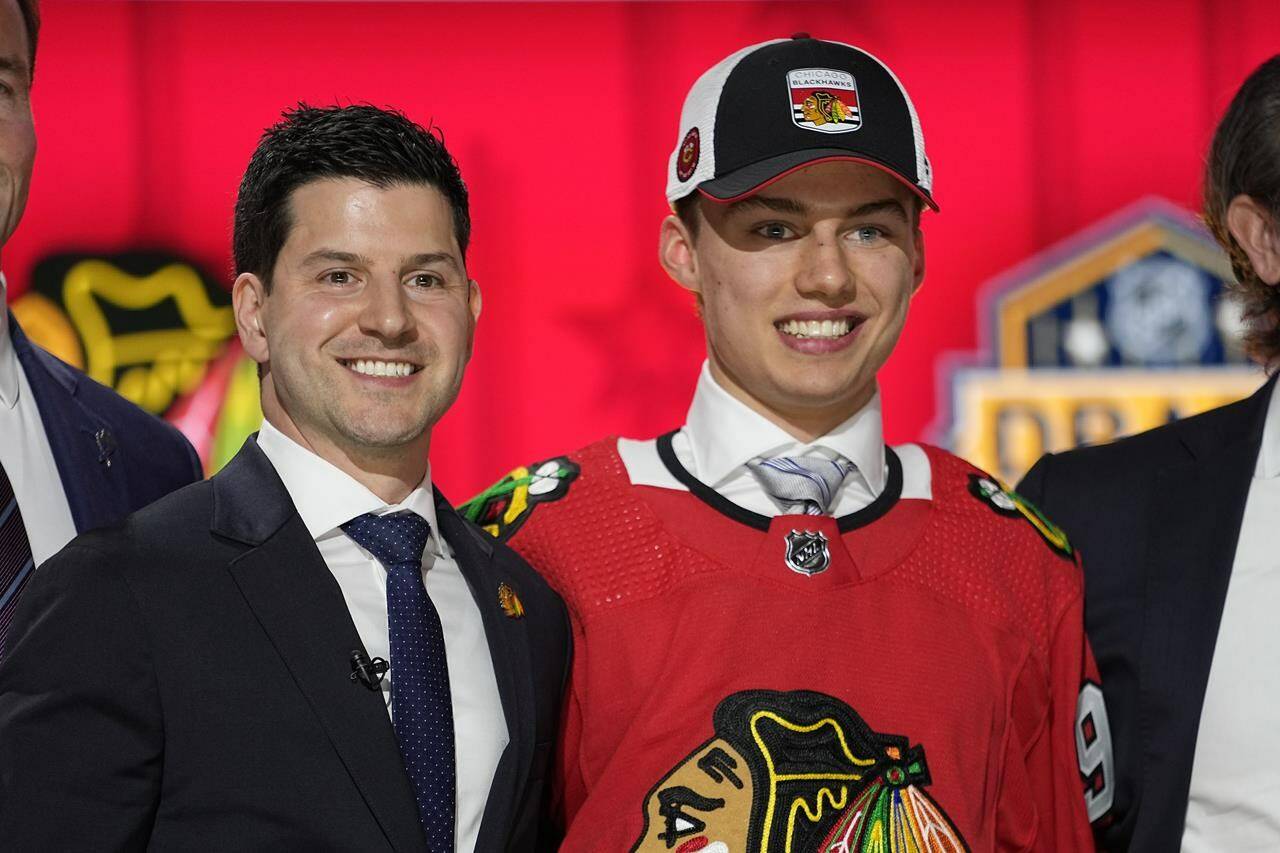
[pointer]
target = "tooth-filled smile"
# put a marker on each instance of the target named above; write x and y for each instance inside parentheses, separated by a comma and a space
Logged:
(376, 367)
(830, 329)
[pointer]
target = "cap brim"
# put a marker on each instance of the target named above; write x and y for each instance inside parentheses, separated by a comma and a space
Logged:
(752, 178)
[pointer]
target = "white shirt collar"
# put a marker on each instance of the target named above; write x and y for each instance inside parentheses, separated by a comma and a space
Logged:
(1268, 466)
(724, 434)
(8, 358)
(327, 497)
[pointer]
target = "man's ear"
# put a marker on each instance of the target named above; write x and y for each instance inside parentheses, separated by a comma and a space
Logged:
(1256, 230)
(675, 253)
(918, 270)
(248, 301)
(474, 302)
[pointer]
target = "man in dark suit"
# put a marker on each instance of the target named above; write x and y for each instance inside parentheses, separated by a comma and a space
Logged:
(210, 674)
(1177, 531)
(73, 454)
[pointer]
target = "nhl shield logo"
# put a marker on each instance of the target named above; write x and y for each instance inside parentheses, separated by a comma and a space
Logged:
(824, 100)
(807, 552)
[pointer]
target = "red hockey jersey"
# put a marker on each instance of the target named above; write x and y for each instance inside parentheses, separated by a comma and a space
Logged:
(913, 676)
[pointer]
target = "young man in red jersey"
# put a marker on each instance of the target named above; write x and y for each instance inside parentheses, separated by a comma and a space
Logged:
(788, 636)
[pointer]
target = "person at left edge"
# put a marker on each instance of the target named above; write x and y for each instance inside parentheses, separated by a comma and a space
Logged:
(73, 454)
(202, 676)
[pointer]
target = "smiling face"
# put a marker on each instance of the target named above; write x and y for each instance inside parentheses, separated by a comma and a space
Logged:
(368, 324)
(17, 135)
(703, 805)
(803, 289)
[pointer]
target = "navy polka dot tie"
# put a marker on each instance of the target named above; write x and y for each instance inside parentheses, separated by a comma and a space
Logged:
(421, 711)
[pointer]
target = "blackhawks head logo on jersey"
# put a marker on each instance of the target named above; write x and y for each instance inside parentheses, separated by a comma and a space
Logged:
(796, 771)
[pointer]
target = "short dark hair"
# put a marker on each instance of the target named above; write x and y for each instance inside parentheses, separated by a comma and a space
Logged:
(379, 146)
(1244, 159)
(30, 10)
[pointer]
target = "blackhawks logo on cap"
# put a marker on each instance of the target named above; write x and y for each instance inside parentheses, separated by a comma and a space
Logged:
(687, 158)
(824, 100)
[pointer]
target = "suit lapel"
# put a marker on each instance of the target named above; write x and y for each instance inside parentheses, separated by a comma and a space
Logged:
(509, 649)
(1195, 512)
(90, 464)
(300, 606)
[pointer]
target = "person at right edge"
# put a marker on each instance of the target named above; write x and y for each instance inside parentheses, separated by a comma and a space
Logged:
(788, 636)
(1177, 529)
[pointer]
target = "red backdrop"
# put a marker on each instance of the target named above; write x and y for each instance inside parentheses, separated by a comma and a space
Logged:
(1040, 117)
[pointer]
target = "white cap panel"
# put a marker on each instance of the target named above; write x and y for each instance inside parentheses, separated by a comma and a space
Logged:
(699, 111)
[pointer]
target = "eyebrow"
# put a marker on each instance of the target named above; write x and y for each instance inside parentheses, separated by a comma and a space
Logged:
(17, 66)
(799, 208)
(426, 259)
(420, 260)
(780, 205)
(884, 205)
(719, 766)
(336, 256)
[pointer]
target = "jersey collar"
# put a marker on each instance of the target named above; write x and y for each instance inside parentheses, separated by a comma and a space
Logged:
(724, 434)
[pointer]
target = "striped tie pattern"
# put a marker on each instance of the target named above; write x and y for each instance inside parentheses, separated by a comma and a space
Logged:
(806, 482)
(421, 704)
(15, 556)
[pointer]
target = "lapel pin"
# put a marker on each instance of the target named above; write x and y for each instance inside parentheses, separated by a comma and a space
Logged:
(510, 602)
(106, 446)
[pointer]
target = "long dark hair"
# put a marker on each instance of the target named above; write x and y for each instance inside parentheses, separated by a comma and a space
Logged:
(1244, 159)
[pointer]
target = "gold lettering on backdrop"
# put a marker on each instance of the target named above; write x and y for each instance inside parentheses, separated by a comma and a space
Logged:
(1018, 415)
(149, 367)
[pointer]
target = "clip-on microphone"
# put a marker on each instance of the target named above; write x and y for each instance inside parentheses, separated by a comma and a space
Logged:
(368, 672)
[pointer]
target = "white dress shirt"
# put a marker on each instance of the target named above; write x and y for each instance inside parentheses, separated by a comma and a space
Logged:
(722, 434)
(327, 498)
(27, 457)
(1234, 799)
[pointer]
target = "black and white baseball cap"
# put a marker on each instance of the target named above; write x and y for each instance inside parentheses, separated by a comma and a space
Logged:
(775, 107)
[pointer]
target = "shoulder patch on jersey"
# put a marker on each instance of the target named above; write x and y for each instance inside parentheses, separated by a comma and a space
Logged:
(1008, 502)
(796, 771)
(504, 506)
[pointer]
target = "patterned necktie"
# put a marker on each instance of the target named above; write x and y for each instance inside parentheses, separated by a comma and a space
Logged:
(810, 481)
(15, 556)
(421, 710)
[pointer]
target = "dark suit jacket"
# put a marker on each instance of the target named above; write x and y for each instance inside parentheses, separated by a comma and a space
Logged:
(112, 457)
(182, 681)
(1156, 518)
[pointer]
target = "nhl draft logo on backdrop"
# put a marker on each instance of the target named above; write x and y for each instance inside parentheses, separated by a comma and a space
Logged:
(824, 100)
